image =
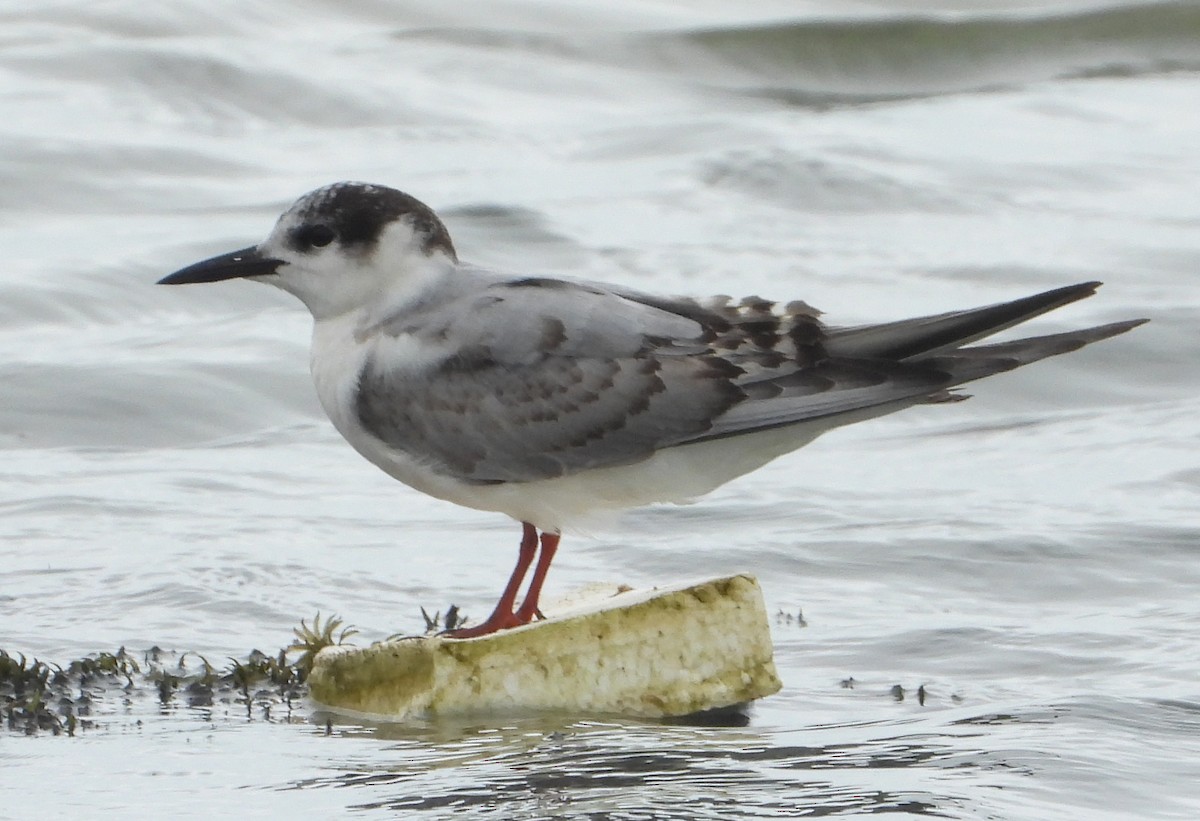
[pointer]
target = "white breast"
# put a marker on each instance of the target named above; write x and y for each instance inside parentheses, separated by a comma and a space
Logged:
(339, 352)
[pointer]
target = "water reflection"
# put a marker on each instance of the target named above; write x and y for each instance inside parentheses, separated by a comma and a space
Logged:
(628, 771)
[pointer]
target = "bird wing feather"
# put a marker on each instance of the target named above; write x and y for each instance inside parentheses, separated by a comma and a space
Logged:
(541, 378)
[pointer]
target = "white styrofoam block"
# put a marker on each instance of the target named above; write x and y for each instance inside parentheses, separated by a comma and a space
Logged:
(660, 652)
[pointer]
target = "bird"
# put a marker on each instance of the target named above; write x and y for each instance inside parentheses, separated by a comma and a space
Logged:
(550, 399)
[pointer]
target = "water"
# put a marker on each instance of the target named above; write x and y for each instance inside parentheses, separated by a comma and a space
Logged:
(1030, 556)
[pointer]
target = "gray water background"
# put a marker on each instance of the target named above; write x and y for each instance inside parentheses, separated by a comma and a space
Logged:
(1030, 556)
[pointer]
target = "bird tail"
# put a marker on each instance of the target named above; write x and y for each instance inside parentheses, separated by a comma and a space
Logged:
(976, 362)
(909, 339)
(874, 370)
(941, 341)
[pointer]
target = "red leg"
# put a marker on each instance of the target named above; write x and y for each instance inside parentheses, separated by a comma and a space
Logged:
(529, 607)
(503, 615)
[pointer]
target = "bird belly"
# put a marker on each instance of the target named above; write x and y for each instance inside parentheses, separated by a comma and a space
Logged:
(678, 475)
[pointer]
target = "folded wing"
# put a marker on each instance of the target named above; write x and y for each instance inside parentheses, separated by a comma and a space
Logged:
(541, 378)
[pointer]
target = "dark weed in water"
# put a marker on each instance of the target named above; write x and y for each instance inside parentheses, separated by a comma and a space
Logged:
(37, 697)
(436, 624)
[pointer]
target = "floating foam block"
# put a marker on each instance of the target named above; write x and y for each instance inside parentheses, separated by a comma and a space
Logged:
(667, 651)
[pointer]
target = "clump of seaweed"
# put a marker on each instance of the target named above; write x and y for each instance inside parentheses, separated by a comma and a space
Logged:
(312, 640)
(26, 694)
(436, 624)
(37, 697)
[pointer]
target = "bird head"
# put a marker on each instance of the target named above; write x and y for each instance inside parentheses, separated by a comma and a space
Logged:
(338, 248)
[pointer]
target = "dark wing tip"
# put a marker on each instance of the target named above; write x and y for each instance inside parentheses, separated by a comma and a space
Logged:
(1059, 297)
(1115, 328)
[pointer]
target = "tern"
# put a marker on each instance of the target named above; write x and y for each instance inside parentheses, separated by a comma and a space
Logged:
(550, 399)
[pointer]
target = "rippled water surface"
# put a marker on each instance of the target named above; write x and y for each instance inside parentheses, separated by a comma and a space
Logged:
(1030, 557)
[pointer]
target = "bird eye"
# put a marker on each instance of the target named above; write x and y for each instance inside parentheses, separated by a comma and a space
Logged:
(315, 236)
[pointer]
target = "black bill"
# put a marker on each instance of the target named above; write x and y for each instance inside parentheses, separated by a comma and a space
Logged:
(247, 262)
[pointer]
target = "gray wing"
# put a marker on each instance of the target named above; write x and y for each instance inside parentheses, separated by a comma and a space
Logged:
(543, 378)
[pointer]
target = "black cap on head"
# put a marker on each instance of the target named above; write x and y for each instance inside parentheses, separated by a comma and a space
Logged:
(357, 213)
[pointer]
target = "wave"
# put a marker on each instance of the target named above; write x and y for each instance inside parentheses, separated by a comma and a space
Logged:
(820, 63)
(823, 62)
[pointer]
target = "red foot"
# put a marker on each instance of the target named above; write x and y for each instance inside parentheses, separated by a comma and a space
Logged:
(493, 624)
(504, 617)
